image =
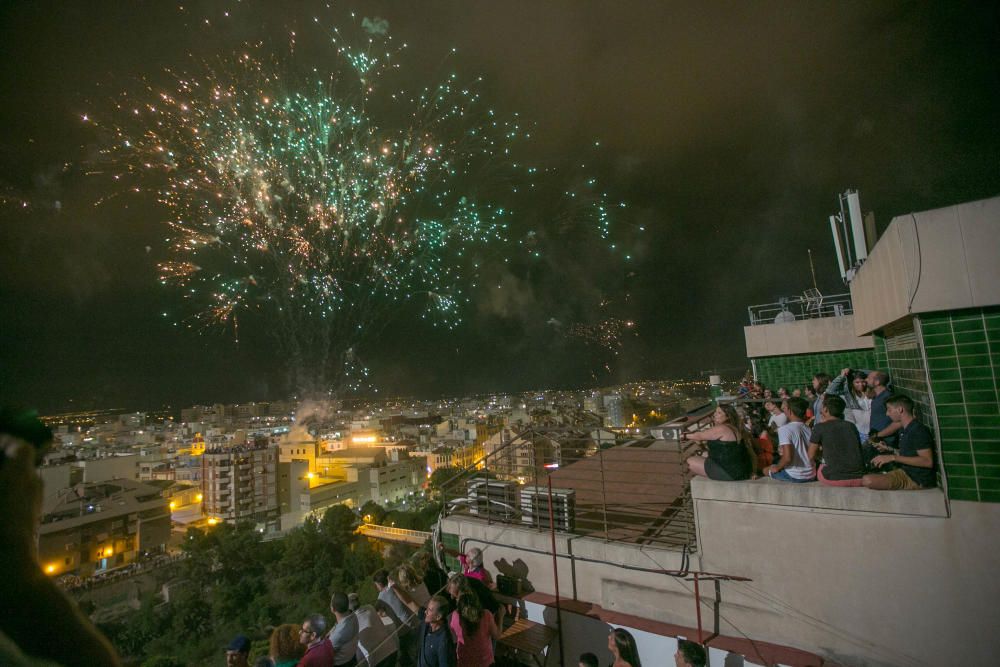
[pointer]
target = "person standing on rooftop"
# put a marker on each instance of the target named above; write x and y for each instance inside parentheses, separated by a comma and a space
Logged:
(407, 578)
(435, 645)
(285, 649)
(472, 566)
(475, 630)
(344, 635)
(319, 651)
(407, 619)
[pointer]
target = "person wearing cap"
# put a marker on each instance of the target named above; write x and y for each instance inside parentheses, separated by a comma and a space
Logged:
(238, 652)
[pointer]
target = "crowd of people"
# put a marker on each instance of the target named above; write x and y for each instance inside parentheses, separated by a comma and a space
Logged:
(72, 582)
(417, 622)
(849, 430)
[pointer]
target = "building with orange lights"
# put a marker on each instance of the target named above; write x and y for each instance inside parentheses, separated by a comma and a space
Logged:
(95, 527)
(240, 483)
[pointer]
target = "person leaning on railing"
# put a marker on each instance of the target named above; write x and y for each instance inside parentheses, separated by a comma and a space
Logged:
(729, 455)
(472, 564)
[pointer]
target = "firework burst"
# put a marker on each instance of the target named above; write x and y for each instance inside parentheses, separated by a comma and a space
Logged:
(320, 203)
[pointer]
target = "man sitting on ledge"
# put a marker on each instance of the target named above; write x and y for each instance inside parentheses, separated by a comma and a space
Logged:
(914, 460)
(793, 443)
(842, 461)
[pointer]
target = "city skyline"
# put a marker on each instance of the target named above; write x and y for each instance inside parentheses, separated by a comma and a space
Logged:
(728, 136)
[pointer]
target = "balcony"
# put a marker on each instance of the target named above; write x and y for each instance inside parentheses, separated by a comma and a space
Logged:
(807, 306)
(587, 482)
(805, 324)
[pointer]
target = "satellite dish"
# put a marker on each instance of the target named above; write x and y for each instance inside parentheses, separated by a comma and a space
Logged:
(784, 316)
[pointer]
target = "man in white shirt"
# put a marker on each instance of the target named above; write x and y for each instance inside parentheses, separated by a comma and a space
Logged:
(793, 444)
(778, 418)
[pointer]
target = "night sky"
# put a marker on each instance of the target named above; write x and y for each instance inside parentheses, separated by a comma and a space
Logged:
(728, 129)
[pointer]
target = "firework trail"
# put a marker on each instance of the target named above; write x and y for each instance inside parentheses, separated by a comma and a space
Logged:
(608, 334)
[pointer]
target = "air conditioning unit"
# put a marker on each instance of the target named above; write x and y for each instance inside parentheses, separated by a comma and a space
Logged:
(492, 497)
(535, 508)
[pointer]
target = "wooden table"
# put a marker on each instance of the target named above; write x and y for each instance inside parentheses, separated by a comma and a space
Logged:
(528, 637)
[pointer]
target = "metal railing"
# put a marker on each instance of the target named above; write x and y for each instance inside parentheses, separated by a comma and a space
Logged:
(586, 481)
(393, 534)
(807, 306)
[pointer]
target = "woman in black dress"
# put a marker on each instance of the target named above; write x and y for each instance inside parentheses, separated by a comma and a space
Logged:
(729, 455)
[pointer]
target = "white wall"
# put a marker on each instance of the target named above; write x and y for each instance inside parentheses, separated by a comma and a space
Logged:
(583, 634)
(824, 334)
(858, 587)
(944, 259)
(111, 467)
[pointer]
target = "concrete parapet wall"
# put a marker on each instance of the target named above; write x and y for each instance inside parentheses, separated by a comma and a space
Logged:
(939, 260)
(825, 334)
(815, 496)
(885, 584)
(629, 586)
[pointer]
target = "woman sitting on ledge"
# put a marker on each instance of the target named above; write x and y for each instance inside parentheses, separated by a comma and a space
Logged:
(730, 455)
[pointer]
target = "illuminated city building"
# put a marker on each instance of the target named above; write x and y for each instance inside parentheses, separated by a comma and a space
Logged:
(240, 483)
(95, 527)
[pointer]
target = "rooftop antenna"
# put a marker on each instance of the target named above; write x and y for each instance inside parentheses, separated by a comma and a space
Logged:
(851, 244)
(812, 268)
(857, 226)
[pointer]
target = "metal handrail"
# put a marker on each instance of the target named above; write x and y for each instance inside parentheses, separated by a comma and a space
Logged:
(802, 307)
(633, 491)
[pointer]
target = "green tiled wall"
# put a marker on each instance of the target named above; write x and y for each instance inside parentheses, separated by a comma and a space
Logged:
(881, 357)
(451, 542)
(963, 358)
(796, 370)
(904, 361)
